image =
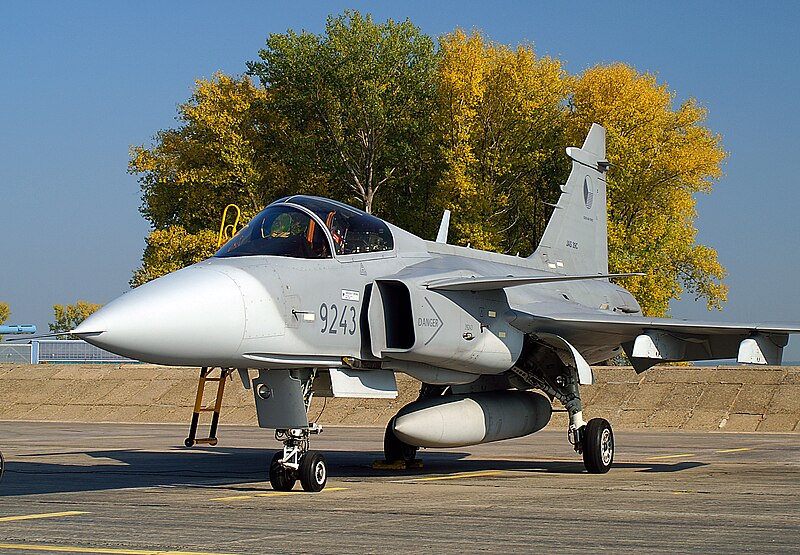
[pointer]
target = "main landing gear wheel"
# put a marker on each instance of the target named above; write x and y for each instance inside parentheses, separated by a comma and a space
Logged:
(313, 471)
(395, 450)
(598, 446)
(281, 478)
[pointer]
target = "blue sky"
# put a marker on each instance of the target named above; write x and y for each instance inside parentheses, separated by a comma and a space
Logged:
(82, 81)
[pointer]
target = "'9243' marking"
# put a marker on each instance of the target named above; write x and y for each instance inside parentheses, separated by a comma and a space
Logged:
(337, 319)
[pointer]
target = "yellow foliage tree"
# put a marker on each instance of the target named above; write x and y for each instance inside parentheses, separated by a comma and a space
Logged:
(171, 249)
(661, 156)
(501, 112)
(68, 317)
(215, 157)
(5, 312)
(225, 151)
(500, 121)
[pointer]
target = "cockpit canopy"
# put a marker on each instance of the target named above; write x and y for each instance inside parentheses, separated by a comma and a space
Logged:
(285, 229)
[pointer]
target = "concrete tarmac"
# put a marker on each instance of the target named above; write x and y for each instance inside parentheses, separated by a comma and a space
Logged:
(134, 489)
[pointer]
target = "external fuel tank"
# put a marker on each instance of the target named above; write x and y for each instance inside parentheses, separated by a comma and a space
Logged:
(469, 419)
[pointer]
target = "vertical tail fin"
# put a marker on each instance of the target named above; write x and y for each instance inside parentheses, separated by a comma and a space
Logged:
(576, 238)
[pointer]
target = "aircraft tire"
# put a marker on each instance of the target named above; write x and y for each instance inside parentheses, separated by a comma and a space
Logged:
(598, 446)
(395, 450)
(313, 471)
(2, 465)
(282, 479)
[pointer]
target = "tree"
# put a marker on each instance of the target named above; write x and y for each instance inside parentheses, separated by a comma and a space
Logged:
(225, 150)
(501, 116)
(5, 312)
(374, 114)
(216, 156)
(171, 249)
(360, 97)
(68, 317)
(661, 156)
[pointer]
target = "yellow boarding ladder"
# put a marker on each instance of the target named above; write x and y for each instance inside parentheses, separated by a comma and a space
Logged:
(214, 407)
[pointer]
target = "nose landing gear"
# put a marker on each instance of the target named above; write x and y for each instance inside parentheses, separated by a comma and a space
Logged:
(282, 399)
(296, 461)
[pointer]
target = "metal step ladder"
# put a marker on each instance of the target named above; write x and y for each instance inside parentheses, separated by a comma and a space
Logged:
(214, 407)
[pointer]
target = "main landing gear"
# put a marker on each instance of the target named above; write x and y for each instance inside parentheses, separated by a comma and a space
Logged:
(595, 439)
(395, 450)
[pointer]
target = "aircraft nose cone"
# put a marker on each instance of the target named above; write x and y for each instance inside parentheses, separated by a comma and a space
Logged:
(193, 317)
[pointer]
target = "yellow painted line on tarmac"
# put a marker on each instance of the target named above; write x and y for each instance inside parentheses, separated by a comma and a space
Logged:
(735, 450)
(42, 515)
(272, 494)
(684, 491)
(681, 455)
(454, 476)
(110, 551)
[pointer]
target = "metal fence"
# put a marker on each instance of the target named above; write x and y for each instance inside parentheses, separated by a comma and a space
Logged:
(13, 352)
(65, 351)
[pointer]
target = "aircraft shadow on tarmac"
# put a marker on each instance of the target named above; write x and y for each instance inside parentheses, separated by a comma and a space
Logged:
(33, 474)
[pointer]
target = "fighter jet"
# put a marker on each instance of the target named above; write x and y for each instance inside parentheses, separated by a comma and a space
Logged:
(315, 297)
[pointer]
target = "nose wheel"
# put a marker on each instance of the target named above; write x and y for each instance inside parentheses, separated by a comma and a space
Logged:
(297, 462)
(281, 477)
(313, 471)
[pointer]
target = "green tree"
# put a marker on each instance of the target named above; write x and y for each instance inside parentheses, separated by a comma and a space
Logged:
(501, 116)
(68, 317)
(360, 97)
(661, 156)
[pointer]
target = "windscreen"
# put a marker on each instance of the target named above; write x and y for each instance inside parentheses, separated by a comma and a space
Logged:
(279, 230)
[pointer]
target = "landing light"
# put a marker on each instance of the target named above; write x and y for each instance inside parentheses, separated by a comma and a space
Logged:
(263, 391)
